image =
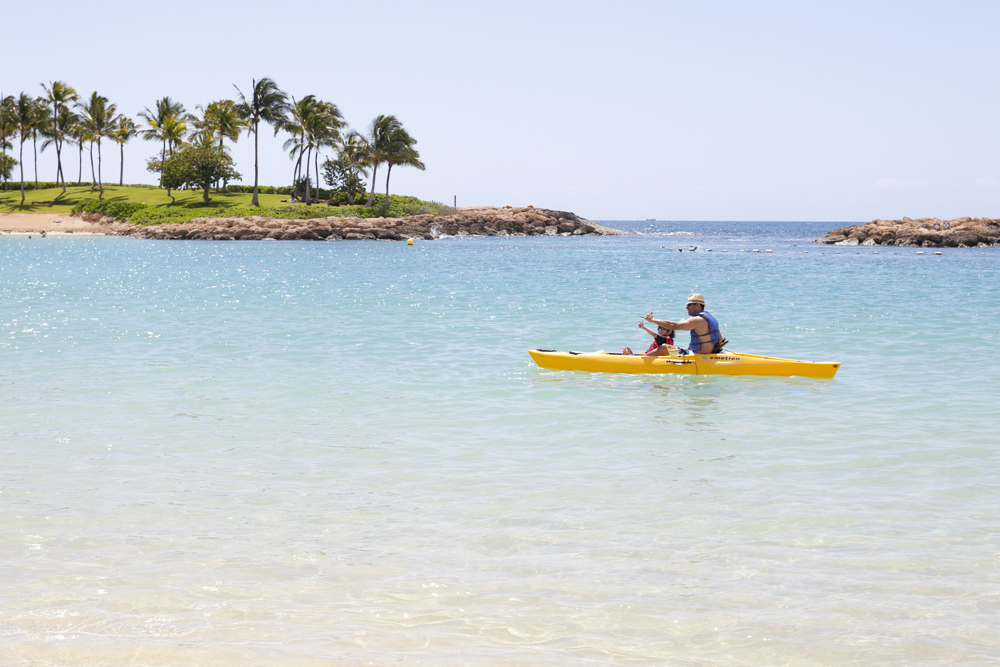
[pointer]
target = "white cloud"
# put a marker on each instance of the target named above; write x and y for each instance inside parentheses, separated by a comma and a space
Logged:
(896, 183)
(987, 181)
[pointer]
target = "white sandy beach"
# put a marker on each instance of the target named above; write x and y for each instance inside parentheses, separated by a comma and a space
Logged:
(50, 223)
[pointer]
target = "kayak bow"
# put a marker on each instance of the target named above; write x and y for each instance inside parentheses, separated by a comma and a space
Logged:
(725, 363)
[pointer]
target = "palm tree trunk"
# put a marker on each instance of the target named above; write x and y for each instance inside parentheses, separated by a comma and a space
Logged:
(387, 173)
(371, 195)
(121, 174)
(93, 177)
(254, 201)
(308, 197)
(59, 170)
(22, 171)
(163, 158)
(318, 195)
(79, 177)
(225, 182)
(34, 144)
(55, 125)
(100, 183)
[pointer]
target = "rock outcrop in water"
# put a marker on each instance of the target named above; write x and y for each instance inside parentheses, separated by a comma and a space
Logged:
(919, 233)
(472, 221)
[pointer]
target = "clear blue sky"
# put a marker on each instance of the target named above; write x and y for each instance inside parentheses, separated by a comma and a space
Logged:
(839, 111)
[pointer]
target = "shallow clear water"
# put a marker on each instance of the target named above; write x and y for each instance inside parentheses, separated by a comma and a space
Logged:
(313, 453)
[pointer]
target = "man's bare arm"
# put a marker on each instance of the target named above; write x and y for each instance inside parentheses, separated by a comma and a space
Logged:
(683, 325)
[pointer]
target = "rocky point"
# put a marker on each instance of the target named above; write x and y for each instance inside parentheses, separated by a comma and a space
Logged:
(471, 221)
(919, 233)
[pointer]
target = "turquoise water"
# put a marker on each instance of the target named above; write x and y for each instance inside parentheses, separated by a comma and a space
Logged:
(341, 453)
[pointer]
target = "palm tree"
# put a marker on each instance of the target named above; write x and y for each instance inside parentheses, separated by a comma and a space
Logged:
(221, 119)
(326, 131)
(59, 95)
(75, 130)
(267, 103)
(295, 125)
(64, 120)
(8, 127)
(174, 130)
(123, 131)
(157, 122)
(167, 124)
(312, 124)
(352, 162)
(401, 153)
(98, 121)
(24, 110)
(380, 138)
(42, 117)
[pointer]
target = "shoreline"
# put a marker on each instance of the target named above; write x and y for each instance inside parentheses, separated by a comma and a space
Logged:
(56, 224)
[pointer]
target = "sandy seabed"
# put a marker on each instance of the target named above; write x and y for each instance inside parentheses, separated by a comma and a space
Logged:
(50, 223)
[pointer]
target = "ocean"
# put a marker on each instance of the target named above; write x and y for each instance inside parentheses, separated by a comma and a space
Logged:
(313, 453)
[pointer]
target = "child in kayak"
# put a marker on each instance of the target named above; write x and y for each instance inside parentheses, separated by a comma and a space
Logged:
(661, 337)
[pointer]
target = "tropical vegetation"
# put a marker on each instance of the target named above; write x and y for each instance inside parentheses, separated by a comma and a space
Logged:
(199, 165)
(193, 149)
(7, 164)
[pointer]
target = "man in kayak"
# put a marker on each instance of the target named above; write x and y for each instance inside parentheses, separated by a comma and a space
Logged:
(705, 335)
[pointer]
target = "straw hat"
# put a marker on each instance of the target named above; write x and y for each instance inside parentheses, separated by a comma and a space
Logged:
(696, 298)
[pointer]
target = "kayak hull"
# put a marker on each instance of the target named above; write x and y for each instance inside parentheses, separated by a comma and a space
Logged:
(726, 363)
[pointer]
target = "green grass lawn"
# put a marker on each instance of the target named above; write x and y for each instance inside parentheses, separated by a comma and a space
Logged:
(184, 205)
(52, 200)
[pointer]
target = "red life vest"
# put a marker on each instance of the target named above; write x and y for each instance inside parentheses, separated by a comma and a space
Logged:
(660, 340)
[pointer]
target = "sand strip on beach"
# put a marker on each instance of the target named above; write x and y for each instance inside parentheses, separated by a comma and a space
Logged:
(50, 223)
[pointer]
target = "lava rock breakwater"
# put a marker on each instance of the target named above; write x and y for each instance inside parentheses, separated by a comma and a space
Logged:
(471, 221)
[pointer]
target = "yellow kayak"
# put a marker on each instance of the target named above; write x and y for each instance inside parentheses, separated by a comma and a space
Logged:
(724, 363)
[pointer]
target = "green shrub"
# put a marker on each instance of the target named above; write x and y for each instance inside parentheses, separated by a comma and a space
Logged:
(341, 197)
(121, 210)
(169, 216)
(41, 185)
(49, 185)
(261, 189)
(282, 190)
(400, 205)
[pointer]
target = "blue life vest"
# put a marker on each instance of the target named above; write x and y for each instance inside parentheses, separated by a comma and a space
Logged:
(714, 336)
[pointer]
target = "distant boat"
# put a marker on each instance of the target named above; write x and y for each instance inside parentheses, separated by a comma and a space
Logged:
(650, 219)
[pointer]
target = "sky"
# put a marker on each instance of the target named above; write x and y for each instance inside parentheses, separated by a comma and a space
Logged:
(714, 110)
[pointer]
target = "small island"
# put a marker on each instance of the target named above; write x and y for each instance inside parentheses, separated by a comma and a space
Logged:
(919, 233)
(148, 212)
